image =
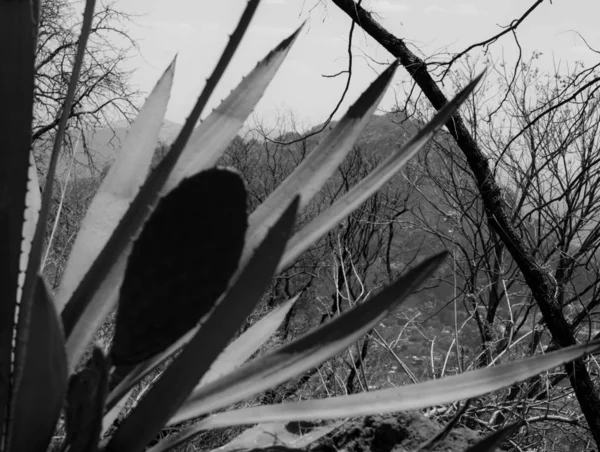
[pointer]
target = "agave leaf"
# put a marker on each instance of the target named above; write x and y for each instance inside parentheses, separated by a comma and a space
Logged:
(269, 435)
(113, 412)
(85, 403)
(493, 441)
(314, 171)
(108, 206)
(403, 398)
(119, 187)
(213, 135)
(178, 381)
(175, 275)
(307, 351)
(236, 353)
(135, 375)
(241, 349)
(358, 194)
(17, 44)
(33, 202)
(35, 253)
(102, 279)
(39, 398)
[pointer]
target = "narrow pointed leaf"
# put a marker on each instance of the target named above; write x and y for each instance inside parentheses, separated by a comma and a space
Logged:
(314, 171)
(404, 398)
(119, 187)
(39, 398)
(85, 404)
(97, 284)
(241, 349)
(236, 353)
(17, 54)
(493, 441)
(180, 264)
(37, 244)
(358, 194)
(142, 370)
(306, 352)
(113, 412)
(178, 381)
(213, 135)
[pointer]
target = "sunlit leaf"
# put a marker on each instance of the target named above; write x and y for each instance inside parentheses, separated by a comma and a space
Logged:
(234, 355)
(112, 199)
(17, 44)
(307, 351)
(214, 134)
(376, 179)
(241, 349)
(404, 398)
(100, 282)
(310, 176)
(120, 186)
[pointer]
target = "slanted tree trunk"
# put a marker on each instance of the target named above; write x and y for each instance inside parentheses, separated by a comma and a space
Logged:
(541, 285)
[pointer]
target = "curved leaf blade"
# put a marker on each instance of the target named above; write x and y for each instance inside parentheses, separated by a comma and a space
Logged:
(120, 186)
(314, 171)
(175, 274)
(213, 135)
(39, 398)
(234, 355)
(178, 381)
(307, 351)
(404, 398)
(17, 44)
(358, 194)
(97, 284)
(241, 349)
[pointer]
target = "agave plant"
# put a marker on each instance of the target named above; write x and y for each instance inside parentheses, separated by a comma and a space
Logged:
(175, 249)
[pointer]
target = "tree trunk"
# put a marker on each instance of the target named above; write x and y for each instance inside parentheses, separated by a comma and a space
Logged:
(539, 282)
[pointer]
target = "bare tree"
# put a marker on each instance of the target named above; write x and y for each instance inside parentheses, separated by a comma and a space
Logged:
(104, 94)
(539, 278)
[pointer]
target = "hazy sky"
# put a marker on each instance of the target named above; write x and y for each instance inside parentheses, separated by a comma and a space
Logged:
(198, 29)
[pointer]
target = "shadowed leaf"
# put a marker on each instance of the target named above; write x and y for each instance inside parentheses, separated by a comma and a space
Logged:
(240, 350)
(180, 264)
(118, 189)
(39, 398)
(85, 403)
(178, 381)
(17, 44)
